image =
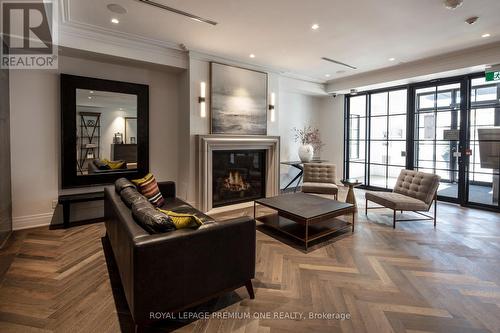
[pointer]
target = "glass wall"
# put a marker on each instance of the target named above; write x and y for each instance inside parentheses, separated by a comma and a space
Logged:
(451, 129)
(356, 139)
(387, 137)
(437, 121)
(484, 133)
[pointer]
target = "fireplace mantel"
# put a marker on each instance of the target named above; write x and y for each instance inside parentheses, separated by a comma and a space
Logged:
(208, 143)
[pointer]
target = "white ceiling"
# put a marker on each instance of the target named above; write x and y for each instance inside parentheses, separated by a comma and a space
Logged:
(363, 33)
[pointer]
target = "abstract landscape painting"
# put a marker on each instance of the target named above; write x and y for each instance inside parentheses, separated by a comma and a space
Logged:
(238, 100)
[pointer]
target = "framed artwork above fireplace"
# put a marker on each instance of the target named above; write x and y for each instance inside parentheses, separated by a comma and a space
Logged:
(238, 100)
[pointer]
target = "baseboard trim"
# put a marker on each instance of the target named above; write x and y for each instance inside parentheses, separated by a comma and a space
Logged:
(31, 221)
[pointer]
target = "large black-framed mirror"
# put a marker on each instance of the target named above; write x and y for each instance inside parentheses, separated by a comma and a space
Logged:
(104, 130)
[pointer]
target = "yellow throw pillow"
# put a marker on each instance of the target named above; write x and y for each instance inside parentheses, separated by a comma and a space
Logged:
(182, 221)
(114, 165)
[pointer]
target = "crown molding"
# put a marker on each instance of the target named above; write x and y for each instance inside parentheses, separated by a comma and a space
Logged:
(202, 56)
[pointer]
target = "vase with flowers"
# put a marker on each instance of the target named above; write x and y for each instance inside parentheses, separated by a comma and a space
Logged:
(310, 141)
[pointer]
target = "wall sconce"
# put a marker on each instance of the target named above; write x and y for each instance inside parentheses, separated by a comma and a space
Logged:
(203, 100)
(272, 107)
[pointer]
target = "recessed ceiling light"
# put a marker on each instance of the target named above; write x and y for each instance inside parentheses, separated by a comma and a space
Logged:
(453, 4)
(315, 26)
(327, 75)
(115, 21)
(115, 8)
(252, 55)
(486, 35)
(90, 97)
(392, 59)
(91, 91)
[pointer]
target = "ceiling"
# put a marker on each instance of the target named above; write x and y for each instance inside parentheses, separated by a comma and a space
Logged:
(362, 33)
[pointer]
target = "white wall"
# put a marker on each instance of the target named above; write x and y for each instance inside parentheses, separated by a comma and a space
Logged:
(331, 126)
(35, 131)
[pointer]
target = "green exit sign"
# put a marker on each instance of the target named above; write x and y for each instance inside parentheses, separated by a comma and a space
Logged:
(493, 73)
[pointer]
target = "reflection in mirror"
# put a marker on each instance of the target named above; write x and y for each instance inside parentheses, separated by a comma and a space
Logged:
(106, 125)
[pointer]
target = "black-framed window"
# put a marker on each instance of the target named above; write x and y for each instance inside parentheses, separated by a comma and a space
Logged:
(382, 148)
(355, 136)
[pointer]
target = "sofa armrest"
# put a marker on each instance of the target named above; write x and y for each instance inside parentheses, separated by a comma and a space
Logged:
(167, 189)
(181, 268)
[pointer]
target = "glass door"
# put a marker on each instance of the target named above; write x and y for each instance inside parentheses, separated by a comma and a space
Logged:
(437, 136)
(483, 153)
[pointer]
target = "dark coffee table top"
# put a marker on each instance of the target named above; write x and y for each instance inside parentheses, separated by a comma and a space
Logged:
(304, 205)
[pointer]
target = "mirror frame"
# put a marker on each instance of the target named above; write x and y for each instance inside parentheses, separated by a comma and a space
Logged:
(69, 85)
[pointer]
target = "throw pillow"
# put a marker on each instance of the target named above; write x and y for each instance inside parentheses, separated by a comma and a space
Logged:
(130, 196)
(148, 187)
(101, 165)
(115, 165)
(181, 220)
(151, 219)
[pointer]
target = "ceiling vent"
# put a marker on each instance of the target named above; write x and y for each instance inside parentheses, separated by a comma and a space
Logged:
(179, 12)
(453, 4)
(338, 62)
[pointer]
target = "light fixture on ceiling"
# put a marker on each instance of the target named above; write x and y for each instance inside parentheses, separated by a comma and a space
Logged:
(327, 75)
(272, 107)
(453, 4)
(180, 12)
(114, 20)
(90, 97)
(354, 92)
(252, 55)
(338, 62)
(117, 9)
(485, 35)
(472, 20)
(315, 26)
(91, 91)
(203, 99)
(392, 59)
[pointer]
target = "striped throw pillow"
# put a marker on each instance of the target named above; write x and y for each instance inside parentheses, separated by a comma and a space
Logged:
(148, 187)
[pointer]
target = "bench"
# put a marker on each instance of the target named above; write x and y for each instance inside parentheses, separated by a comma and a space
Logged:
(68, 199)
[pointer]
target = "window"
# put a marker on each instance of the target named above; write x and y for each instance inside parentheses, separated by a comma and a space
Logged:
(386, 143)
(356, 139)
(355, 136)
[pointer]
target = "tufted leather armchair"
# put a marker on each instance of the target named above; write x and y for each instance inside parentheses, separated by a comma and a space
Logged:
(320, 178)
(414, 191)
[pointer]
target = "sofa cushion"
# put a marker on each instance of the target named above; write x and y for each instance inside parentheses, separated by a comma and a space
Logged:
(152, 220)
(130, 196)
(148, 187)
(123, 183)
(321, 188)
(396, 201)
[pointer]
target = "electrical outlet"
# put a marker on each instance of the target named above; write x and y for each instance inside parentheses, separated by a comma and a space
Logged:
(54, 204)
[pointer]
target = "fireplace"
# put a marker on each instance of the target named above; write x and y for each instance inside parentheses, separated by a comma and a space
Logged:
(238, 176)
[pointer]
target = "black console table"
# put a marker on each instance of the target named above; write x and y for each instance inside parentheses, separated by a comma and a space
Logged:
(68, 199)
(300, 166)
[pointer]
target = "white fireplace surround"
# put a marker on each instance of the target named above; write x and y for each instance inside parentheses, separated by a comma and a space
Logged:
(209, 143)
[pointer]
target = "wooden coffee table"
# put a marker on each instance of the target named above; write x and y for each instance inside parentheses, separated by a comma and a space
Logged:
(305, 217)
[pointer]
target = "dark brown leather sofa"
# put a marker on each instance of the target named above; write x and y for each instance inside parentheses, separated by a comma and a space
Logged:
(174, 271)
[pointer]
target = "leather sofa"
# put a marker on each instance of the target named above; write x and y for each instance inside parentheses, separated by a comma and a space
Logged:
(174, 271)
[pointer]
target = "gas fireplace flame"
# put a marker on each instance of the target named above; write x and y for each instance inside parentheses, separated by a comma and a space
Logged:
(235, 182)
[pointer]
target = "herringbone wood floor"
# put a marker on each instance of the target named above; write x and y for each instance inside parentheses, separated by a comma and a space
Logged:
(412, 279)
